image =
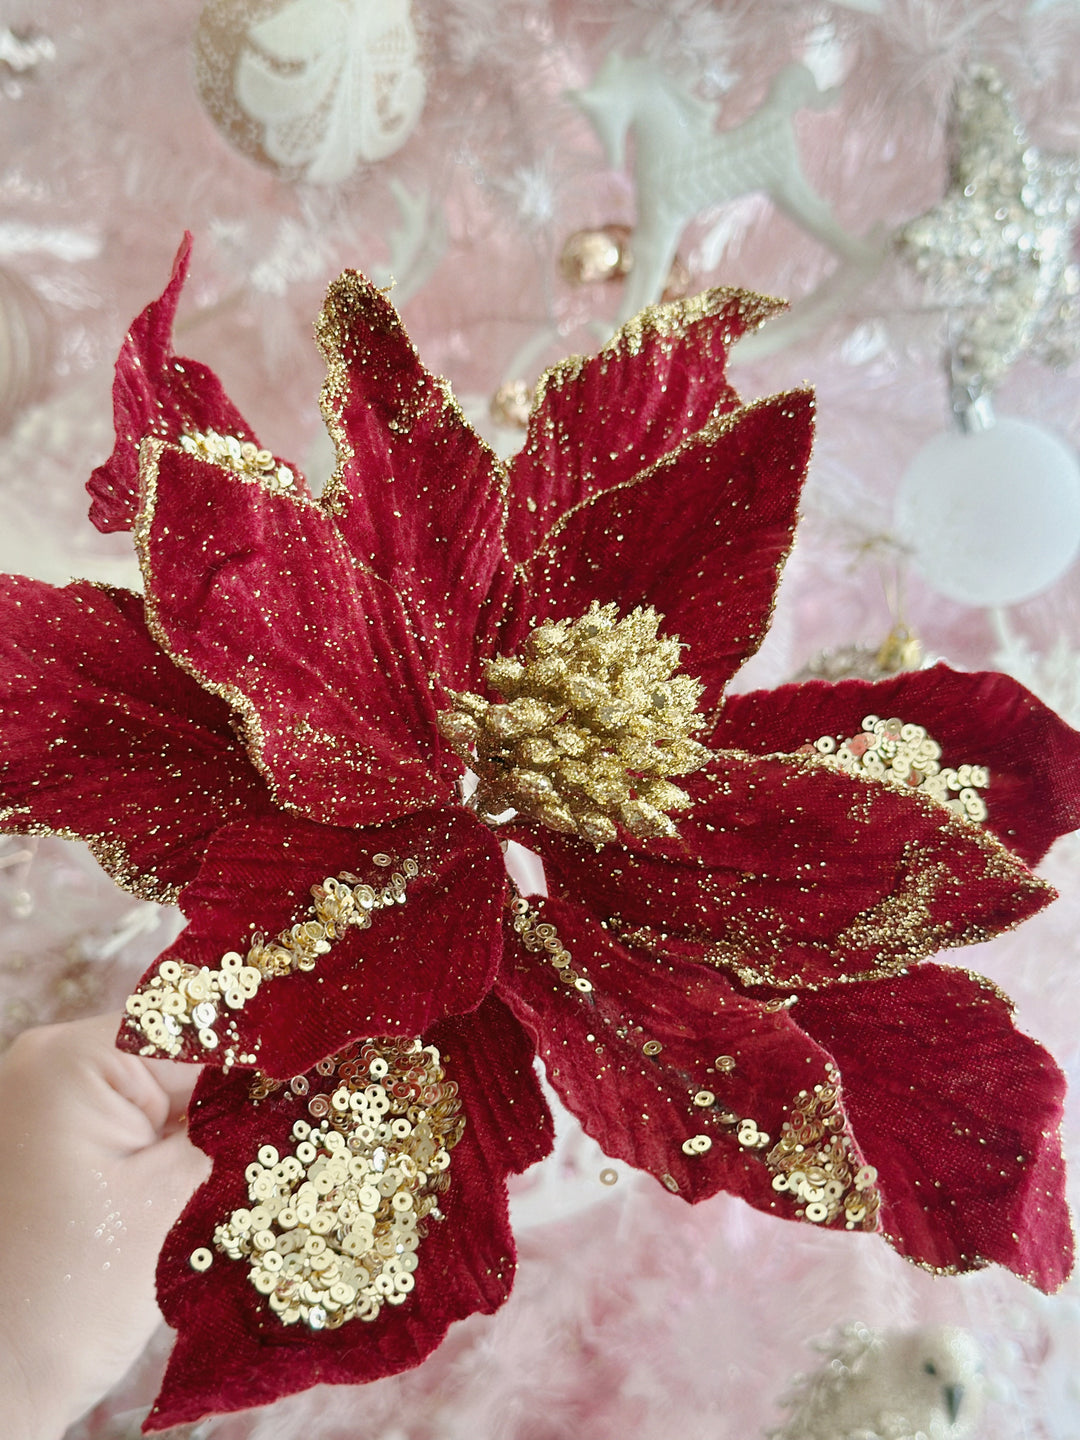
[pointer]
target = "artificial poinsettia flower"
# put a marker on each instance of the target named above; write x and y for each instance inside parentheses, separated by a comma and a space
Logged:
(295, 701)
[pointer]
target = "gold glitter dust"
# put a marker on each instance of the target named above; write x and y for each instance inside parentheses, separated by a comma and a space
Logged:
(333, 1228)
(597, 721)
(251, 728)
(109, 851)
(348, 311)
(182, 996)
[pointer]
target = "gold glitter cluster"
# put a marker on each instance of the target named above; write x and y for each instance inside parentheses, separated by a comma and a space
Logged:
(905, 755)
(182, 995)
(541, 938)
(333, 1228)
(812, 1161)
(595, 722)
(240, 456)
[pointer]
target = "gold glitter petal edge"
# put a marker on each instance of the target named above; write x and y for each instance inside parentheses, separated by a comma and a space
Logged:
(713, 430)
(348, 293)
(668, 320)
(109, 852)
(906, 910)
(662, 322)
(252, 736)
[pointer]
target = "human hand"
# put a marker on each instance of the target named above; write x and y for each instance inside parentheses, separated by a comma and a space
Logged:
(95, 1165)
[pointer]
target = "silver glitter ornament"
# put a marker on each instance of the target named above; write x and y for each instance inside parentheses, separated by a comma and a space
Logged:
(997, 250)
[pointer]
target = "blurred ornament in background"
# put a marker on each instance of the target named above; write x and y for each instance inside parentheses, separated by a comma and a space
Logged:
(998, 249)
(310, 88)
(900, 650)
(511, 403)
(25, 348)
(592, 257)
(921, 1384)
(21, 52)
(991, 516)
(683, 166)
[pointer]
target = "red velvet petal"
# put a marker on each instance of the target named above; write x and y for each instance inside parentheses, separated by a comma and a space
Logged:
(599, 421)
(417, 494)
(959, 1112)
(257, 596)
(977, 719)
(639, 1106)
(700, 535)
(491, 1058)
(795, 875)
(433, 955)
(230, 1354)
(156, 393)
(104, 739)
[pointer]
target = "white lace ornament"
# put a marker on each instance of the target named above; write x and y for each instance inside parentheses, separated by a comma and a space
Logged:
(311, 88)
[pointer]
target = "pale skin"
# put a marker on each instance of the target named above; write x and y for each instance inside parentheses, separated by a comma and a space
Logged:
(95, 1166)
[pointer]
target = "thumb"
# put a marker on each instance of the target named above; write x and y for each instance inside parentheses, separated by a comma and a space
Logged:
(168, 1172)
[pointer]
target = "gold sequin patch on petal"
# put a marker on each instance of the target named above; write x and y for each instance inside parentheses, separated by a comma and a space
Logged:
(184, 997)
(595, 722)
(904, 755)
(333, 1228)
(240, 456)
(813, 1162)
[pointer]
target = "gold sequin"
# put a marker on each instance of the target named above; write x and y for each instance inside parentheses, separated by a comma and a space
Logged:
(596, 721)
(239, 456)
(814, 1163)
(904, 755)
(333, 1229)
(540, 937)
(182, 996)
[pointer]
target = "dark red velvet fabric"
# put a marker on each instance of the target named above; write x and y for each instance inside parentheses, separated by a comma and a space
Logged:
(104, 738)
(156, 392)
(257, 595)
(700, 535)
(639, 1107)
(231, 1352)
(800, 874)
(257, 876)
(417, 497)
(977, 719)
(956, 1109)
(959, 1112)
(602, 420)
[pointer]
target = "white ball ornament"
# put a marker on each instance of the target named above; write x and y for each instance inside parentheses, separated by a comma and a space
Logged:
(310, 88)
(992, 517)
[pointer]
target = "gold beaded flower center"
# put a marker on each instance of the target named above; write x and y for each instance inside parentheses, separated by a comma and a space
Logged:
(595, 722)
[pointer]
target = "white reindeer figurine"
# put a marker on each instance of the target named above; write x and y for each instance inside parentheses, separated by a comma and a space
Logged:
(683, 166)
